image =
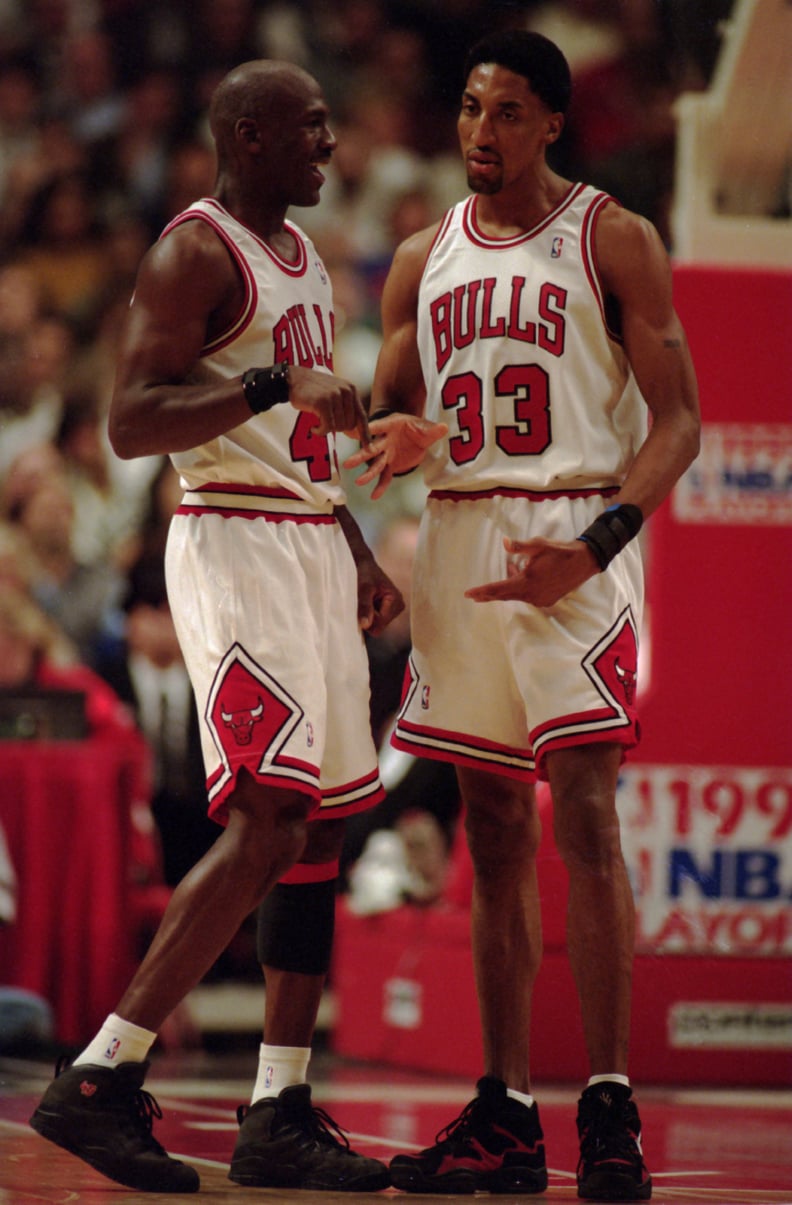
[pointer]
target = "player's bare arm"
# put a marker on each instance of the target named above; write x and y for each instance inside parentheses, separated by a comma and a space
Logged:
(187, 290)
(399, 441)
(635, 269)
(379, 600)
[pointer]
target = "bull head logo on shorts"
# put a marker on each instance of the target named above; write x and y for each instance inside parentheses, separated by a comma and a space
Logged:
(628, 679)
(243, 721)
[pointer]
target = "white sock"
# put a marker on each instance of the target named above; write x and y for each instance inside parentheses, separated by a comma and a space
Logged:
(524, 1098)
(280, 1067)
(118, 1041)
(609, 1079)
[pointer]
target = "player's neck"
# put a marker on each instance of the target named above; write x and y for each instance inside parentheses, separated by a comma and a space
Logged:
(253, 211)
(521, 206)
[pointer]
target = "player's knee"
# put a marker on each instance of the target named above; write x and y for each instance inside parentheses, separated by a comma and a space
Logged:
(587, 833)
(271, 836)
(502, 828)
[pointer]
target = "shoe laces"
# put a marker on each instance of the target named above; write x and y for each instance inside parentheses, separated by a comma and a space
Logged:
(327, 1131)
(139, 1111)
(608, 1132)
(461, 1127)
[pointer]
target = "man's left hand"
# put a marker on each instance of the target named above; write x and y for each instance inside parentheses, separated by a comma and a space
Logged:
(540, 572)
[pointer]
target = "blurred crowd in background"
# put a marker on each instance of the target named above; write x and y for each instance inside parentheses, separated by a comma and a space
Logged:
(104, 138)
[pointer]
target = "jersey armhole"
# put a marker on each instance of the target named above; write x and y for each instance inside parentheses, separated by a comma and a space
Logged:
(607, 306)
(250, 298)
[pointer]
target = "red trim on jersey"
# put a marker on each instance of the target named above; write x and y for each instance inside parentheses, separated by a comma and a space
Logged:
(504, 491)
(442, 230)
(297, 269)
(239, 487)
(588, 252)
(250, 300)
(476, 235)
(232, 512)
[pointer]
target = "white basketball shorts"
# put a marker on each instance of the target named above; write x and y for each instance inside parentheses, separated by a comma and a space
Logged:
(497, 685)
(265, 610)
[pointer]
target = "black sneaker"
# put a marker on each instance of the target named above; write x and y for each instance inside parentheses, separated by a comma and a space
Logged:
(611, 1166)
(285, 1142)
(104, 1116)
(496, 1144)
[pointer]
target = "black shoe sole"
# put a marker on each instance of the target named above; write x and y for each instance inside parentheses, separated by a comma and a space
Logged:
(46, 1125)
(610, 1186)
(465, 1183)
(252, 1175)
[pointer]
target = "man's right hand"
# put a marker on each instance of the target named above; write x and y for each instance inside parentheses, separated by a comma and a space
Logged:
(335, 402)
(398, 444)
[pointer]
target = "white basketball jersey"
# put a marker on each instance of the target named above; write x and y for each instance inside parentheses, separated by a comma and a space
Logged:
(519, 359)
(287, 315)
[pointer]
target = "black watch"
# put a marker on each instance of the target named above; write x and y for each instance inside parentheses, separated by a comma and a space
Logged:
(266, 387)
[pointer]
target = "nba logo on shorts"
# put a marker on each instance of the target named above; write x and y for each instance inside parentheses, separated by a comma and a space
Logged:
(555, 249)
(309, 734)
(425, 698)
(112, 1048)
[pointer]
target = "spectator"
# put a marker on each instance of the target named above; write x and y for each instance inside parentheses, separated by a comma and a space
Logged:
(147, 672)
(98, 527)
(62, 244)
(19, 102)
(33, 367)
(132, 163)
(34, 652)
(79, 598)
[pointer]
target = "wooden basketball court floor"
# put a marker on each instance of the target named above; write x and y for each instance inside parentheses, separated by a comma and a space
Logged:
(713, 1146)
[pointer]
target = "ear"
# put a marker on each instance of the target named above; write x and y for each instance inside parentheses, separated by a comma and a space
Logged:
(247, 132)
(555, 124)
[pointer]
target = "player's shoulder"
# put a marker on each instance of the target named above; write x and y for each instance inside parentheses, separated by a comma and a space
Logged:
(189, 257)
(628, 248)
(189, 239)
(624, 230)
(412, 254)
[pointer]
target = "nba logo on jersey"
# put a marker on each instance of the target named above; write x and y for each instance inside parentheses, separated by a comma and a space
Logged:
(112, 1048)
(321, 270)
(425, 698)
(555, 248)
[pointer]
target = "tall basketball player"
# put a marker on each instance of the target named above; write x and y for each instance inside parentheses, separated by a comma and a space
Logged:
(536, 321)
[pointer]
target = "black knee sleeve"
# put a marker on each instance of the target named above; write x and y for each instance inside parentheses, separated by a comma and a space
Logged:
(295, 926)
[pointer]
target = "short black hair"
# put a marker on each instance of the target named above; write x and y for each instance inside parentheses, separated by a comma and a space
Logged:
(531, 55)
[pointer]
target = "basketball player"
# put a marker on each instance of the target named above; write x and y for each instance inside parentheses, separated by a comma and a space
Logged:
(226, 364)
(536, 321)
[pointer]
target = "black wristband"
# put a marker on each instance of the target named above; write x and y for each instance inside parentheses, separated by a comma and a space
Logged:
(266, 387)
(382, 412)
(611, 530)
